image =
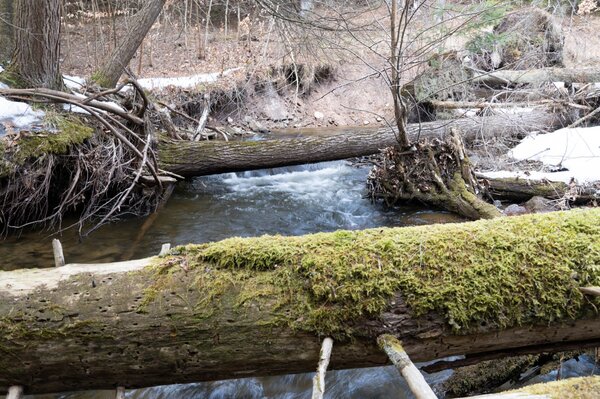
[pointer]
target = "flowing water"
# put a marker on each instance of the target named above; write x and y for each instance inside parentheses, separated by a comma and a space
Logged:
(288, 201)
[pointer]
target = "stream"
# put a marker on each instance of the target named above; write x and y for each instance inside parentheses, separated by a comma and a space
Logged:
(288, 201)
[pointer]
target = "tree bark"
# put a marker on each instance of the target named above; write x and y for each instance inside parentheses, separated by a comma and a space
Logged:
(522, 189)
(7, 45)
(37, 44)
(245, 307)
(539, 76)
(108, 74)
(188, 158)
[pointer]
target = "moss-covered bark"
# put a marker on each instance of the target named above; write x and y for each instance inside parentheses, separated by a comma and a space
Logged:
(573, 388)
(259, 305)
(58, 136)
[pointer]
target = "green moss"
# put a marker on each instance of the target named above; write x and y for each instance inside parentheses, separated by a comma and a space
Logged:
(69, 131)
(486, 376)
(12, 79)
(485, 274)
(572, 388)
(100, 79)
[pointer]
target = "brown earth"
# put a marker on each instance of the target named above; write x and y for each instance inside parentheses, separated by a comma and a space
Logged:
(355, 94)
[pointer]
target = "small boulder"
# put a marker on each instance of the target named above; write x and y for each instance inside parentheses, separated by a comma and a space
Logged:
(515, 210)
(319, 115)
(257, 127)
(539, 205)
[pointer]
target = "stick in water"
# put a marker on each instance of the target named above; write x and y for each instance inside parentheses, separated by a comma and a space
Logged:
(15, 392)
(319, 379)
(417, 384)
(59, 257)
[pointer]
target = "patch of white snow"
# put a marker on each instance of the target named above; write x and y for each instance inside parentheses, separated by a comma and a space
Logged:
(74, 108)
(18, 114)
(73, 82)
(575, 153)
(183, 81)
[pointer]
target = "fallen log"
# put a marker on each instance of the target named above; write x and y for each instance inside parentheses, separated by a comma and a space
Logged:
(539, 76)
(582, 387)
(188, 158)
(486, 104)
(522, 189)
(259, 306)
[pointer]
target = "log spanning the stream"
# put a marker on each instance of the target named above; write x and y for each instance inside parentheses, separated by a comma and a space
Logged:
(539, 76)
(259, 306)
(190, 158)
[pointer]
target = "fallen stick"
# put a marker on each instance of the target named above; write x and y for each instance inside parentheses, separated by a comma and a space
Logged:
(416, 382)
(319, 379)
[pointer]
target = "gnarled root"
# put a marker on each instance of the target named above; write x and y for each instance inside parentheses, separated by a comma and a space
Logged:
(436, 173)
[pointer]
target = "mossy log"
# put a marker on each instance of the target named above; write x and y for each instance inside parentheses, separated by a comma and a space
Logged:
(189, 158)
(539, 76)
(572, 388)
(259, 306)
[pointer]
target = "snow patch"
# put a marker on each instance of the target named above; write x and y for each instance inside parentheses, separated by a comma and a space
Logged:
(575, 153)
(73, 82)
(183, 81)
(74, 108)
(18, 114)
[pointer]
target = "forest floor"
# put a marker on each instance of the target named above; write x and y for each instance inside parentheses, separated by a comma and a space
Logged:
(352, 92)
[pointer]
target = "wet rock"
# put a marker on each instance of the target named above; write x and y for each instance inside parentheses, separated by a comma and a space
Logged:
(515, 210)
(257, 127)
(540, 205)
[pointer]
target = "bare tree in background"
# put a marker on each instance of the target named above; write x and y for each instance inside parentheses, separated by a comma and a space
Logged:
(396, 40)
(35, 61)
(109, 73)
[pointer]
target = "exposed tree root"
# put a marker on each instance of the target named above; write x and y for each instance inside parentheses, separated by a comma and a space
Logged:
(95, 179)
(110, 174)
(433, 172)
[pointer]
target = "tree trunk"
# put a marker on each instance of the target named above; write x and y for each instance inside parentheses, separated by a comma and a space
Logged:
(7, 44)
(522, 189)
(258, 306)
(539, 76)
(37, 44)
(108, 74)
(188, 158)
